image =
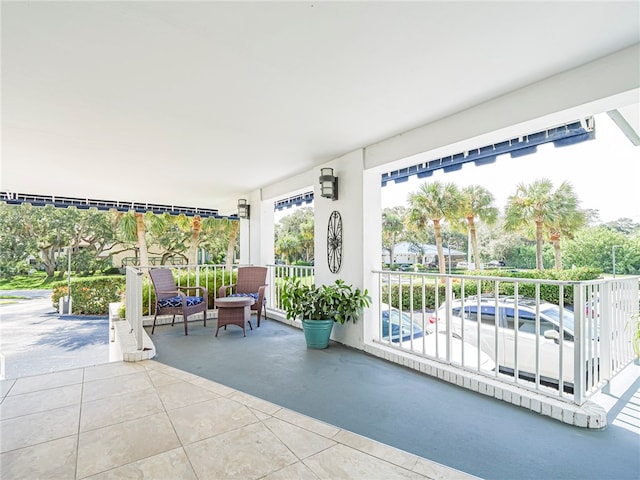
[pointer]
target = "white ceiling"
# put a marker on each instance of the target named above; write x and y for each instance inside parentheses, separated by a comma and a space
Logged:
(198, 103)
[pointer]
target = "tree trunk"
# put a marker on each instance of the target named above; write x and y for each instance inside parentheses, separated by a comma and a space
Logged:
(142, 240)
(539, 264)
(196, 228)
(231, 246)
(441, 260)
(555, 241)
(48, 260)
(474, 242)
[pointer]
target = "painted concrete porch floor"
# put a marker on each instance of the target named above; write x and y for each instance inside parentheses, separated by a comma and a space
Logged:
(149, 420)
(396, 406)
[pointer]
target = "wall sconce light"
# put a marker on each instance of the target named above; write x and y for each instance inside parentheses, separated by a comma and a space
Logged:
(243, 208)
(328, 184)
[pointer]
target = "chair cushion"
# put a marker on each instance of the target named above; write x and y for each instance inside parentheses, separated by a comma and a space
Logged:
(177, 301)
(253, 295)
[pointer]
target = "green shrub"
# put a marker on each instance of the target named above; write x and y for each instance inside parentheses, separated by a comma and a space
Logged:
(112, 271)
(470, 288)
(550, 293)
(92, 295)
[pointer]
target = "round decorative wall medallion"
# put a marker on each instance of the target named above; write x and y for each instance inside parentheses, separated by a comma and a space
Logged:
(334, 242)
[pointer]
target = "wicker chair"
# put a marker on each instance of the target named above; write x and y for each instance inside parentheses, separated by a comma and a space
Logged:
(250, 282)
(171, 299)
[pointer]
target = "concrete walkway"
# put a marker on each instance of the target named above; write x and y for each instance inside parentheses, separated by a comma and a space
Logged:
(35, 339)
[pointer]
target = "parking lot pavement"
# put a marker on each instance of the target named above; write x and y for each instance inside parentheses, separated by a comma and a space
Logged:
(34, 339)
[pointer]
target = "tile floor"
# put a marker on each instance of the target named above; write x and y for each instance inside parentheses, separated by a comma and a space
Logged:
(148, 420)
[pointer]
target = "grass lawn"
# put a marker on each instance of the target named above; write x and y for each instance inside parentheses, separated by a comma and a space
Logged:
(35, 281)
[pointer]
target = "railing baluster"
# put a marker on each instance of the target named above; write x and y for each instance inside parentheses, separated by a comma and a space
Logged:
(587, 376)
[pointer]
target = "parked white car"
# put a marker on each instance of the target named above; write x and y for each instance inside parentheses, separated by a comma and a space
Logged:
(403, 331)
(488, 337)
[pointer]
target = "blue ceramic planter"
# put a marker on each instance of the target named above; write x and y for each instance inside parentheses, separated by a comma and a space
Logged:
(317, 333)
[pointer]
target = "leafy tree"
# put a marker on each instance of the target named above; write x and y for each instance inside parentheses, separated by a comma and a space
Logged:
(52, 229)
(46, 232)
(494, 243)
(182, 236)
(215, 238)
(435, 202)
(623, 225)
(15, 246)
(393, 228)
(591, 217)
(294, 236)
(593, 247)
(231, 227)
(169, 232)
(286, 247)
(93, 236)
(477, 204)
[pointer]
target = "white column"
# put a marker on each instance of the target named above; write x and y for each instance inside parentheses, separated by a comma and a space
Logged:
(371, 248)
(245, 238)
(252, 232)
(265, 241)
(359, 206)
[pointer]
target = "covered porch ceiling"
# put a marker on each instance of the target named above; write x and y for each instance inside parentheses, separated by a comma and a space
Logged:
(198, 103)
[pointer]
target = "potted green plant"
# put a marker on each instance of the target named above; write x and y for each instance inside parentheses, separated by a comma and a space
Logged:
(319, 307)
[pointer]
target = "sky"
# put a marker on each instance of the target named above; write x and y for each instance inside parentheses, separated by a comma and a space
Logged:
(604, 173)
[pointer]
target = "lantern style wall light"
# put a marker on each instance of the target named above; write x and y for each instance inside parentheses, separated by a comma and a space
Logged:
(328, 184)
(243, 208)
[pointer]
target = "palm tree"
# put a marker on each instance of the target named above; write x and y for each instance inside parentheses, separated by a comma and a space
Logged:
(536, 204)
(392, 228)
(133, 228)
(434, 202)
(195, 227)
(567, 219)
(230, 228)
(476, 202)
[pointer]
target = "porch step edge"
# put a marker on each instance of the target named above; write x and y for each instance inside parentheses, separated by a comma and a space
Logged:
(123, 346)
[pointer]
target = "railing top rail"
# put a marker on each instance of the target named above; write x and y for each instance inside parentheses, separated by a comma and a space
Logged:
(598, 281)
(185, 266)
(132, 269)
(505, 279)
(290, 266)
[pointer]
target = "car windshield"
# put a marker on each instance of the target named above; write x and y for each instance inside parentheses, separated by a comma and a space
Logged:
(554, 314)
(395, 321)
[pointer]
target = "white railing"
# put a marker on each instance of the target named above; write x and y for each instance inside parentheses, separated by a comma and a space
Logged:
(509, 336)
(439, 321)
(275, 279)
(133, 303)
(139, 298)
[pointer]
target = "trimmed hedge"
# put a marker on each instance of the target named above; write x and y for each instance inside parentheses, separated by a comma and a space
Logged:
(90, 295)
(550, 293)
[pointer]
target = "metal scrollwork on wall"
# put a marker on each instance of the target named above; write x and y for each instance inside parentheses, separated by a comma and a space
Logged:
(334, 242)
